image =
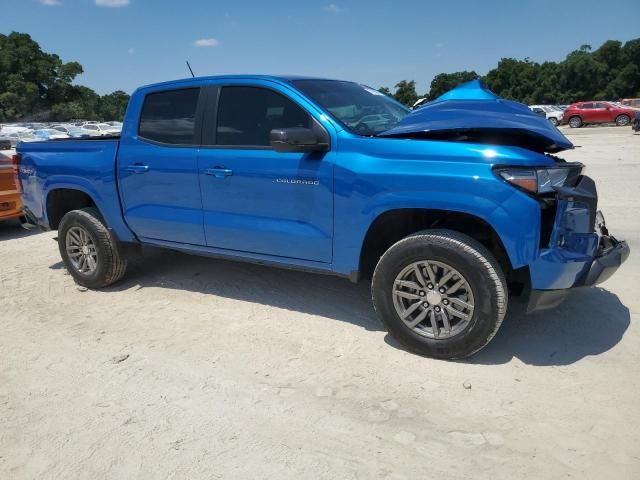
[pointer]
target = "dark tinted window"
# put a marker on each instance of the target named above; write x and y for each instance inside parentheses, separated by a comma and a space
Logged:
(586, 105)
(169, 117)
(601, 105)
(246, 116)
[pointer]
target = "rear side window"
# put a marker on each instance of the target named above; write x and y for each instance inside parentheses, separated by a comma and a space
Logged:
(170, 117)
(246, 116)
(586, 105)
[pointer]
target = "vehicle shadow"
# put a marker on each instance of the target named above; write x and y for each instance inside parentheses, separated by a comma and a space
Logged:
(12, 229)
(590, 322)
(322, 295)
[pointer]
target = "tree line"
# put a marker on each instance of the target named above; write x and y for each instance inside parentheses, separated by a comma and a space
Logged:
(37, 86)
(609, 73)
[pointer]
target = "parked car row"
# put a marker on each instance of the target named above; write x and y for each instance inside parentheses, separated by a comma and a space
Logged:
(33, 132)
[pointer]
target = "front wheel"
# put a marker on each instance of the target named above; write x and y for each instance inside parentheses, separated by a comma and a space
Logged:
(89, 250)
(440, 293)
(554, 121)
(623, 120)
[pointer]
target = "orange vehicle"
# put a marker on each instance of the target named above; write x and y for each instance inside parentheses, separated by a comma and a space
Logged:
(10, 200)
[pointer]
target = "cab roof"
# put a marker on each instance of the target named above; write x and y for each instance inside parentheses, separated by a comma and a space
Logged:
(276, 78)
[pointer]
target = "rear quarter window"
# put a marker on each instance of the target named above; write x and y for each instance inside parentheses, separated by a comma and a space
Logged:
(169, 117)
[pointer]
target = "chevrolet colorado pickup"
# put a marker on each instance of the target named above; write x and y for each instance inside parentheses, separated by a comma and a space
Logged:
(451, 209)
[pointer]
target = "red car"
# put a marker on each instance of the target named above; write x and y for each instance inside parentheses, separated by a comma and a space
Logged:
(582, 113)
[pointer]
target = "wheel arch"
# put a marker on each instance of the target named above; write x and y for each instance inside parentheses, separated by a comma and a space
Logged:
(61, 200)
(392, 225)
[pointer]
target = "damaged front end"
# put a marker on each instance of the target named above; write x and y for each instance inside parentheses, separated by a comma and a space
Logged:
(580, 251)
(576, 249)
(472, 113)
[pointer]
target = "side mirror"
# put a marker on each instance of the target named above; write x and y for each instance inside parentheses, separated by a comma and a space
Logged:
(297, 139)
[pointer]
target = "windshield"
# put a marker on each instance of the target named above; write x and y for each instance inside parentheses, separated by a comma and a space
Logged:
(360, 109)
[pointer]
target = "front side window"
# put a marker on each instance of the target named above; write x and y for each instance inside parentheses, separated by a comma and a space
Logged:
(246, 116)
(362, 110)
(169, 117)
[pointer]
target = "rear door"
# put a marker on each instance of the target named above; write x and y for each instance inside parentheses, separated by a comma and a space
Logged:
(255, 199)
(158, 168)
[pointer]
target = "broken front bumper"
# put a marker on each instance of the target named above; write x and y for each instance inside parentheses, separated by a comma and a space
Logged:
(581, 252)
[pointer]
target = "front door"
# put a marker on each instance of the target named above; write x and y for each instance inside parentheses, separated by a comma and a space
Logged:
(256, 199)
(158, 170)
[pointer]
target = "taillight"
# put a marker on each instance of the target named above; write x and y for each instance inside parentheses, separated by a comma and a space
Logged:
(15, 161)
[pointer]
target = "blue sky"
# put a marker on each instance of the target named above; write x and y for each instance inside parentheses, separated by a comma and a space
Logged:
(126, 43)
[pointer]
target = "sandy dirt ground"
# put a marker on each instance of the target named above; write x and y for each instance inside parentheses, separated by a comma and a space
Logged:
(200, 368)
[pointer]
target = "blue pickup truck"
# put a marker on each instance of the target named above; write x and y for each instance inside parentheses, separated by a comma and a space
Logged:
(451, 210)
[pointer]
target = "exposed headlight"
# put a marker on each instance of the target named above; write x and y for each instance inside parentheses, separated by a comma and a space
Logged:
(541, 180)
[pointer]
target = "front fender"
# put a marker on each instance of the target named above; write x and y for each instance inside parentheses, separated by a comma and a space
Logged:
(514, 216)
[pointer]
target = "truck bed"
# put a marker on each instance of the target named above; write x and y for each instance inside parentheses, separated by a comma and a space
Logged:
(87, 165)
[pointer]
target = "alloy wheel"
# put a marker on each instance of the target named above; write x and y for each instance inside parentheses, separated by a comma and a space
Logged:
(81, 250)
(433, 299)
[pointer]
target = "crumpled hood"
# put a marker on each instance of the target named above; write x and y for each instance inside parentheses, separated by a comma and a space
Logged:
(471, 112)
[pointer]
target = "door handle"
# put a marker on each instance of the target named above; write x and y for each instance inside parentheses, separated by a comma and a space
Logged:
(218, 172)
(137, 168)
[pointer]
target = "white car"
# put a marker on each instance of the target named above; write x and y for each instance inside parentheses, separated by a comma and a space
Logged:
(73, 131)
(553, 113)
(50, 134)
(102, 129)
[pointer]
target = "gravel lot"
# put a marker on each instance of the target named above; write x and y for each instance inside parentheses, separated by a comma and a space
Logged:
(200, 368)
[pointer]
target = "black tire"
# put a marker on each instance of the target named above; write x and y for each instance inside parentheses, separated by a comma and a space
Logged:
(623, 120)
(554, 121)
(473, 261)
(110, 264)
(575, 122)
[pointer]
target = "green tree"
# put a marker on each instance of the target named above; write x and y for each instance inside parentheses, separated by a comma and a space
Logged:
(406, 92)
(444, 82)
(35, 85)
(386, 91)
(113, 106)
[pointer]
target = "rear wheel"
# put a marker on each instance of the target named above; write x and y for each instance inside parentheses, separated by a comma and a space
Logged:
(623, 120)
(89, 250)
(440, 293)
(575, 122)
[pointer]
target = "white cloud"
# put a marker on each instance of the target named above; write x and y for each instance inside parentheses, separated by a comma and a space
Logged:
(51, 3)
(206, 42)
(333, 8)
(112, 3)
